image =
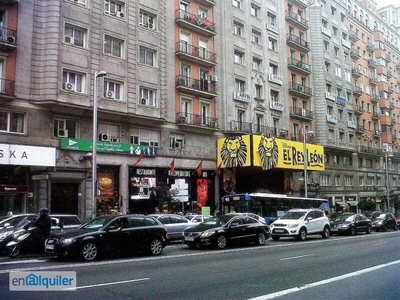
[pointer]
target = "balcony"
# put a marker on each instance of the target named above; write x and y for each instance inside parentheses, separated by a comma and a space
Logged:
(389, 74)
(374, 99)
(375, 116)
(199, 87)
(390, 90)
(7, 89)
(194, 23)
(326, 31)
(355, 54)
(388, 59)
(296, 20)
(360, 129)
(301, 3)
(195, 54)
(353, 36)
(346, 43)
(358, 110)
(357, 91)
(183, 118)
(8, 39)
(398, 66)
(356, 73)
(341, 100)
(371, 64)
(373, 81)
(370, 47)
(298, 65)
(300, 90)
(377, 134)
(241, 127)
(300, 113)
(207, 3)
(298, 43)
(278, 79)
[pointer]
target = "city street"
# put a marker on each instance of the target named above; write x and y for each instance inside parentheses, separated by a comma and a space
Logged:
(341, 267)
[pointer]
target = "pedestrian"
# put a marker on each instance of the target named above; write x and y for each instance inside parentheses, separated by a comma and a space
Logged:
(43, 227)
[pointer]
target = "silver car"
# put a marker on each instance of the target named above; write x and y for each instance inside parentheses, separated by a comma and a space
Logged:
(175, 224)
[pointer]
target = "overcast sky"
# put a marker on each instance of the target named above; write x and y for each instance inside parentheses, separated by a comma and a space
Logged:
(382, 3)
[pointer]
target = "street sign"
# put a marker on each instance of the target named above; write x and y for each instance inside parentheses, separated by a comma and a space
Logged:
(180, 192)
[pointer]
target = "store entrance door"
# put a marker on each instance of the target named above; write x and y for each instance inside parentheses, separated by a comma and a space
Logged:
(64, 198)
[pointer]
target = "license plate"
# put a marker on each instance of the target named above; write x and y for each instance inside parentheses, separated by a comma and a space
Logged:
(189, 238)
(279, 230)
(50, 247)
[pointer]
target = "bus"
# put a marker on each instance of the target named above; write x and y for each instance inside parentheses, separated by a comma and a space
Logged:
(269, 206)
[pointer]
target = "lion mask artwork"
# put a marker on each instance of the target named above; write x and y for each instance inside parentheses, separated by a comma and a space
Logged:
(268, 151)
(234, 152)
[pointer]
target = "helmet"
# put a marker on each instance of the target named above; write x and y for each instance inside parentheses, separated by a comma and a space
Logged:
(43, 211)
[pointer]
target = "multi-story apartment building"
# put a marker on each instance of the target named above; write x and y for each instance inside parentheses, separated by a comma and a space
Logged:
(47, 142)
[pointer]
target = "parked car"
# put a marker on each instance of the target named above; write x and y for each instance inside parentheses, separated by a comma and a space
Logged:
(384, 222)
(13, 220)
(59, 222)
(108, 236)
(398, 222)
(255, 216)
(372, 214)
(351, 223)
(176, 224)
(197, 218)
(221, 231)
(299, 223)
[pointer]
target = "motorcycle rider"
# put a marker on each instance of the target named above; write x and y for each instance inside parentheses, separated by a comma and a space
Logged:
(43, 227)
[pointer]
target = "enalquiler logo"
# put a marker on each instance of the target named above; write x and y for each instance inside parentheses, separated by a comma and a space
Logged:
(43, 281)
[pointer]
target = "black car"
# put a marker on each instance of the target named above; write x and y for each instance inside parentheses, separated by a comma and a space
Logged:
(373, 214)
(221, 231)
(384, 222)
(350, 223)
(110, 235)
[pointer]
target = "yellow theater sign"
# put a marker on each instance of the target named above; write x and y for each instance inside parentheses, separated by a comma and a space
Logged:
(268, 152)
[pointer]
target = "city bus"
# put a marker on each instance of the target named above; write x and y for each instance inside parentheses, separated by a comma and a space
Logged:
(270, 206)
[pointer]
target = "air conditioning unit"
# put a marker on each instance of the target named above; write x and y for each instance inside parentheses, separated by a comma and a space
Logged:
(306, 67)
(104, 137)
(62, 133)
(213, 78)
(143, 101)
(69, 86)
(213, 124)
(183, 119)
(110, 94)
(120, 14)
(69, 39)
(301, 88)
(304, 112)
(11, 39)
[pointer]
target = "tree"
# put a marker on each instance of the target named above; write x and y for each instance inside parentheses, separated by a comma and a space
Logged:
(365, 205)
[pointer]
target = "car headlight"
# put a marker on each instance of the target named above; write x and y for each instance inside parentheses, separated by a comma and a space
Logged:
(344, 226)
(293, 225)
(4, 234)
(380, 223)
(207, 233)
(67, 241)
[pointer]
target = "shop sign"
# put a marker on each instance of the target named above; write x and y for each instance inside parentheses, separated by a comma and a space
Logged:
(27, 155)
(13, 188)
(107, 147)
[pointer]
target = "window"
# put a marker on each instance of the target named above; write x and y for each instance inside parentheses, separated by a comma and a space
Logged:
(147, 56)
(239, 58)
(237, 3)
(272, 44)
(255, 10)
(147, 97)
(324, 180)
(348, 180)
(114, 8)
(370, 181)
(257, 64)
(74, 82)
(256, 37)
(144, 137)
(361, 181)
(112, 90)
(259, 91)
(205, 113)
(239, 85)
(113, 46)
(74, 35)
(65, 127)
(13, 122)
(147, 20)
(176, 141)
(237, 29)
(337, 180)
(109, 132)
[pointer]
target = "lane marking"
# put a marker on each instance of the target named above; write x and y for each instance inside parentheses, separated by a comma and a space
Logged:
(108, 283)
(377, 244)
(322, 282)
(28, 261)
(295, 257)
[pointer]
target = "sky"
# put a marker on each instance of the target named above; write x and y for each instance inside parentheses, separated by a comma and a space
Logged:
(382, 3)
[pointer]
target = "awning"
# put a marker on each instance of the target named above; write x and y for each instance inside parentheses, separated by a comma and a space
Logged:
(352, 203)
(341, 203)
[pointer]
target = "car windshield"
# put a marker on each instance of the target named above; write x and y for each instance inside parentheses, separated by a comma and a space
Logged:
(342, 218)
(220, 220)
(381, 216)
(293, 215)
(96, 223)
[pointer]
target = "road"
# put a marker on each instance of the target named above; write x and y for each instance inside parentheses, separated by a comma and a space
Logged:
(359, 267)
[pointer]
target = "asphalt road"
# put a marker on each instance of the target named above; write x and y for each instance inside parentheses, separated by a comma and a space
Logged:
(359, 267)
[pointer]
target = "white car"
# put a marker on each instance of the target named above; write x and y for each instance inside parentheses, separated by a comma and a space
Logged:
(197, 218)
(255, 216)
(299, 223)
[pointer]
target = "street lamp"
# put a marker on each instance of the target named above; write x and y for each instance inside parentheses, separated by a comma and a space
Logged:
(305, 158)
(387, 155)
(94, 142)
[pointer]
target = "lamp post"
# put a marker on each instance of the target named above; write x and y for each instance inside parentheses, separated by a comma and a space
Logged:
(387, 178)
(305, 159)
(94, 142)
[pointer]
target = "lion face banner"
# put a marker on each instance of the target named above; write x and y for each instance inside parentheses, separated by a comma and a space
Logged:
(267, 151)
(234, 152)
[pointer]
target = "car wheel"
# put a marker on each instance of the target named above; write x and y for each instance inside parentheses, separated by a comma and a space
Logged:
(221, 242)
(261, 239)
(384, 228)
(302, 234)
(156, 247)
(326, 232)
(352, 231)
(13, 251)
(369, 229)
(89, 251)
(276, 238)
